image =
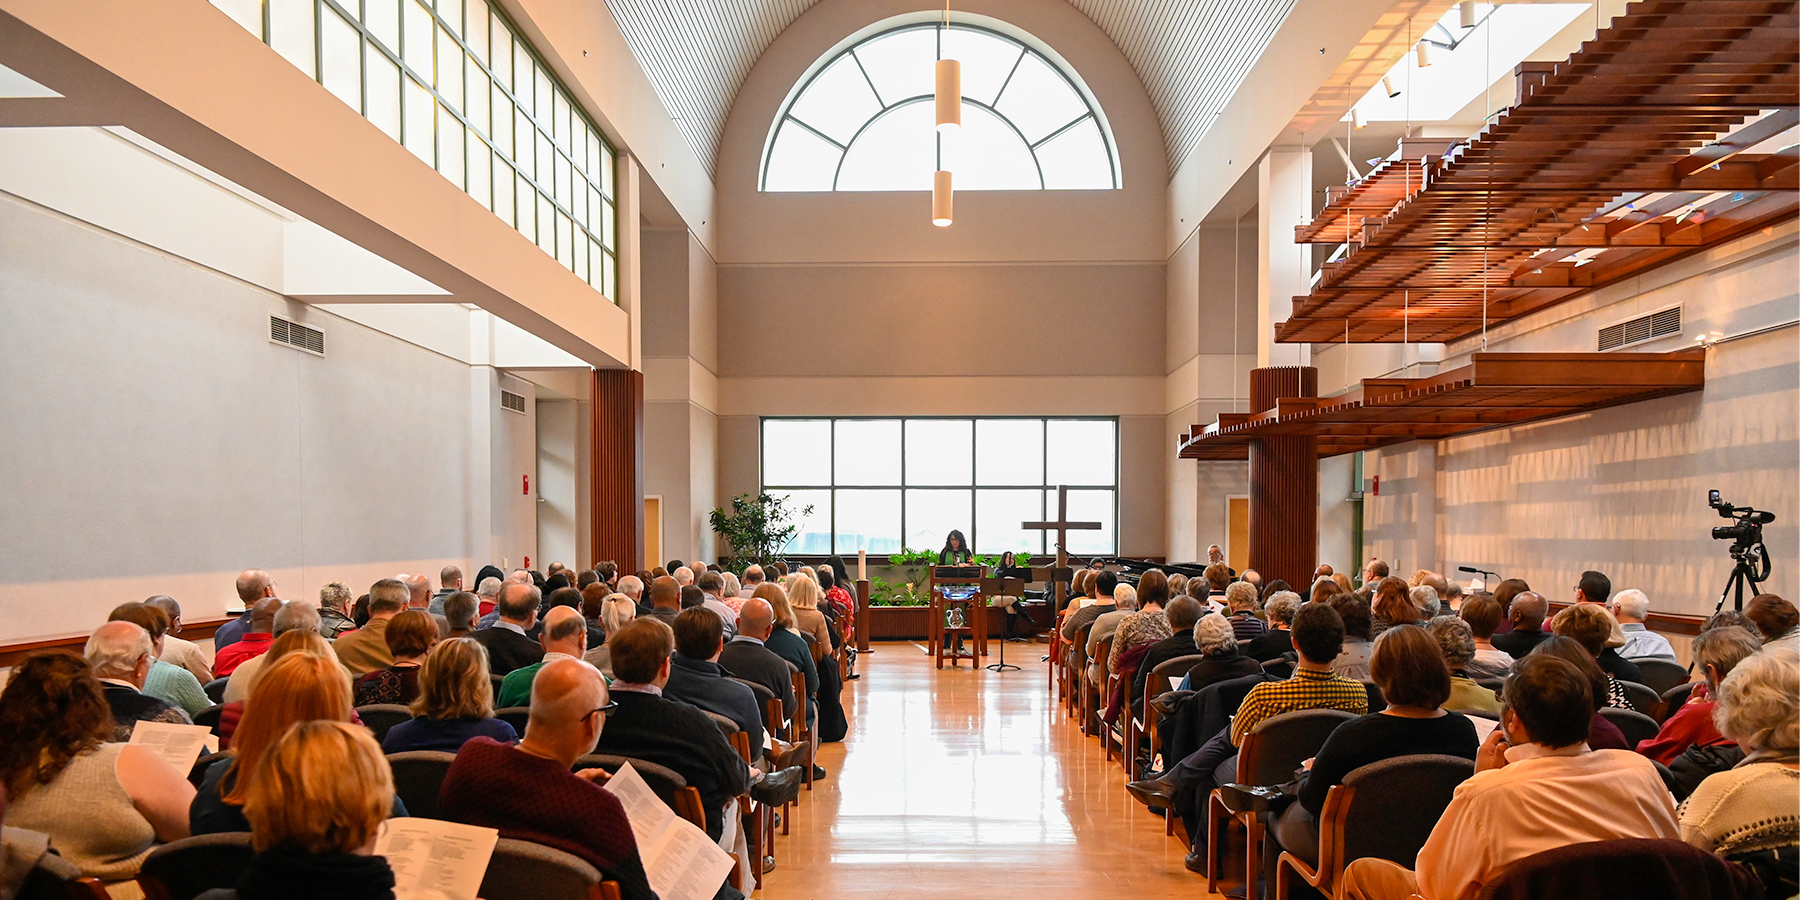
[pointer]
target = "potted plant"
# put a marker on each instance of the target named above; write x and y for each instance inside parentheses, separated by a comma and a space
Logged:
(757, 528)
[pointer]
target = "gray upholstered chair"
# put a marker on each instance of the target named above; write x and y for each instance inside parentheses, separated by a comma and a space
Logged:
(1635, 725)
(522, 870)
(382, 716)
(1660, 676)
(418, 775)
(1385, 809)
(185, 869)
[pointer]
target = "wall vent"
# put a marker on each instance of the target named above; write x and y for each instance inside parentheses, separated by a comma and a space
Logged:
(1643, 328)
(512, 401)
(296, 335)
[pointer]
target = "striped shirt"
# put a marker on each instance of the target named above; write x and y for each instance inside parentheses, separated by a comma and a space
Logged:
(1308, 689)
(1246, 626)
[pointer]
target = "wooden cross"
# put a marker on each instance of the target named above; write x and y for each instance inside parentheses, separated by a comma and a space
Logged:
(1062, 526)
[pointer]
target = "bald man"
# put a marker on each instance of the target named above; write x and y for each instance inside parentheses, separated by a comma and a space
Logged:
(450, 580)
(507, 645)
(119, 653)
(418, 596)
(564, 637)
(1527, 616)
(665, 599)
(256, 639)
(746, 657)
(252, 585)
(527, 792)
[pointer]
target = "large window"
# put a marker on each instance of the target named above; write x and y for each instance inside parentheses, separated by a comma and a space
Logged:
(453, 82)
(863, 119)
(880, 484)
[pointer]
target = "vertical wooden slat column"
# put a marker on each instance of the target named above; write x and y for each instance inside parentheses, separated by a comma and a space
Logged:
(616, 433)
(1284, 484)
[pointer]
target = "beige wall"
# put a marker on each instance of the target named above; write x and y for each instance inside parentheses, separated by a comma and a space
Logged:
(680, 387)
(1623, 490)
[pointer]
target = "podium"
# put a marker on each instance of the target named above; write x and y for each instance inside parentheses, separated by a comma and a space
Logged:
(958, 614)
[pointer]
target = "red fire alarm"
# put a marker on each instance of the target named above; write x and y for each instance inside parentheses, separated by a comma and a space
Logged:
(527, 562)
(1375, 485)
(528, 485)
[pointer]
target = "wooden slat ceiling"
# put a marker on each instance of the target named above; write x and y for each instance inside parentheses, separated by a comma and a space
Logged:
(1494, 390)
(1611, 163)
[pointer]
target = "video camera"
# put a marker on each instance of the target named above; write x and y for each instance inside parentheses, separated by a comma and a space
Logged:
(1747, 529)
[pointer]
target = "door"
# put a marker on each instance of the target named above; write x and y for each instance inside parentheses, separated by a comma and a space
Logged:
(653, 531)
(1237, 533)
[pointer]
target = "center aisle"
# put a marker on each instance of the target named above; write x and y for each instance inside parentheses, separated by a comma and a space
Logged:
(960, 783)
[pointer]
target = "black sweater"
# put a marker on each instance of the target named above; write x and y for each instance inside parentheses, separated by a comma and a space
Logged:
(1376, 737)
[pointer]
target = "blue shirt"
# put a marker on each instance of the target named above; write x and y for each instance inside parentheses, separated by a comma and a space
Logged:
(230, 632)
(420, 733)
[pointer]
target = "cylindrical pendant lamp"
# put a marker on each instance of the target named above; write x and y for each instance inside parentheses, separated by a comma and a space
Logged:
(940, 200)
(949, 94)
(1357, 119)
(1465, 14)
(1424, 54)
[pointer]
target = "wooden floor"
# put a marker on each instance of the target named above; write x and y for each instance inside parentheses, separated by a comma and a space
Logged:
(960, 783)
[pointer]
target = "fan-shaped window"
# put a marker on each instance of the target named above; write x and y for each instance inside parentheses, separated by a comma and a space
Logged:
(863, 120)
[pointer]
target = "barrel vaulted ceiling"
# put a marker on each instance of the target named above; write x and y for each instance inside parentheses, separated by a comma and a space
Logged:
(1190, 54)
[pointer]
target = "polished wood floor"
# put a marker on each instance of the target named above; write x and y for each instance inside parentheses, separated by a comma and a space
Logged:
(960, 783)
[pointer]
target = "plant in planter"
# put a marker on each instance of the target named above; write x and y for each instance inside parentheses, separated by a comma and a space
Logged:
(757, 528)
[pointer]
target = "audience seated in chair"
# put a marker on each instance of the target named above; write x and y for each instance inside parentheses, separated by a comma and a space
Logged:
(1594, 627)
(166, 681)
(1527, 610)
(1359, 623)
(460, 610)
(527, 792)
(365, 650)
(314, 807)
(1279, 639)
(508, 645)
(120, 654)
(302, 642)
(258, 634)
(1392, 605)
(455, 702)
(649, 726)
(1630, 607)
(1222, 658)
(103, 805)
(291, 617)
(175, 650)
(1182, 614)
(748, 657)
(300, 687)
(1409, 666)
(696, 677)
(564, 637)
(251, 585)
(1776, 619)
(617, 610)
(1241, 603)
(1602, 734)
(409, 635)
(1100, 589)
(1483, 613)
(1716, 653)
(1457, 644)
(1751, 813)
(1536, 786)
(785, 642)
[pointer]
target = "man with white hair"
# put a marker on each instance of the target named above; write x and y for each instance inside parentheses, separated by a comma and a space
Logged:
(633, 587)
(120, 655)
(1216, 557)
(684, 576)
(520, 576)
(295, 615)
(488, 597)
(1631, 607)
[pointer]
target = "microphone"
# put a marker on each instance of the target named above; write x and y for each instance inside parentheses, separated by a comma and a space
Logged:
(1470, 569)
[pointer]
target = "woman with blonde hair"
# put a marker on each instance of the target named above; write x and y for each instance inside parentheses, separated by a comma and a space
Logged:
(299, 687)
(786, 643)
(733, 591)
(1750, 808)
(804, 596)
(455, 703)
(614, 614)
(315, 807)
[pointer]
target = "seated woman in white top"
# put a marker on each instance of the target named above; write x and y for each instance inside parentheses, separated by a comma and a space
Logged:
(104, 806)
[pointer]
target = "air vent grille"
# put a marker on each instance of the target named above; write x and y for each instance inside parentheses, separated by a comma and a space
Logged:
(1643, 328)
(512, 401)
(296, 335)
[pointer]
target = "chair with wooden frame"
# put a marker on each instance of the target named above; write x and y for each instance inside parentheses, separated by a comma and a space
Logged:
(522, 870)
(1092, 693)
(758, 821)
(1122, 723)
(1385, 809)
(1270, 753)
(1054, 655)
(1143, 724)
(798, 730)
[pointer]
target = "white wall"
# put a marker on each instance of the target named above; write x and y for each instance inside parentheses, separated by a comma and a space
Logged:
(557, 466)
(1623, 490)
(157, 442)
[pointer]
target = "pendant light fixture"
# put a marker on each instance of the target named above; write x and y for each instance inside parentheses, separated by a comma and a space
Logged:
(1357, 119)
(1465, 14)
(949, 95)
(1424, 54)
(941, 199)
(1387, 87)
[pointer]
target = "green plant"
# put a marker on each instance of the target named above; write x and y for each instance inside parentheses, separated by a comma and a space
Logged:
(886, 593)
(757, 527)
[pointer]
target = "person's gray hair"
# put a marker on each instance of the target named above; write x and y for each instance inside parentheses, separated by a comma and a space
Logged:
(1281, 607)
(1213, 635)
(489, 587)
(710, 582)
(1454, 639)
(1755, 705)
(631, 586)
(683, 575)
(335, 596)
(615, 612)
(1425, 598)
(1631, 602)
(388, 595)
(167, 604)
(113, 650)
(1723, 648)
(296, 615)
(1125, 596)
(1240, 595)
(753, 574)
(732, 587)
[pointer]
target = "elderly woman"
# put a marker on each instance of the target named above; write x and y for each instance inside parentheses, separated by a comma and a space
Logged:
(1716, 653)
(1353, 660)
(314, 811)
(1457, 642)
(1279, 640)
(614, 613)
(410, 635)
(455, 702)
(1392, 606)
(1424, 598)
(104, 805)
(334, 610)
(1408, 665)
(1220, 660)
(1754, 807)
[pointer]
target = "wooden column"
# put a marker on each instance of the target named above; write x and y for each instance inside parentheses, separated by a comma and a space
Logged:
(616, 434)
(1284, 484)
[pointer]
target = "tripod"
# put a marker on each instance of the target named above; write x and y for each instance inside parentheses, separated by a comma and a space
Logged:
(1002, 665)
(1743, 574)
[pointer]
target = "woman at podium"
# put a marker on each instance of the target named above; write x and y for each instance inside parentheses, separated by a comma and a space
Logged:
(956, 550)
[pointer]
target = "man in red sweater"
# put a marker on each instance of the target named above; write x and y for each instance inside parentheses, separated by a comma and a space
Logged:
(256, 640)
(527, 792)
(1716, 653)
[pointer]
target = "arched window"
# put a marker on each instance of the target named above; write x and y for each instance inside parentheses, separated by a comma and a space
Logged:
(862, 120)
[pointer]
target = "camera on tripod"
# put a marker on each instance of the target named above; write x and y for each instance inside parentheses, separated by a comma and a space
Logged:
(1747, 529)
(1747, 551)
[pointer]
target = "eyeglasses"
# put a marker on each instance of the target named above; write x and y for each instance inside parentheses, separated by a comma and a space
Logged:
(606, 710)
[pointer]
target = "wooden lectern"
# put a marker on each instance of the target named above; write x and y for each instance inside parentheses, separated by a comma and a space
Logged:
(964, 598)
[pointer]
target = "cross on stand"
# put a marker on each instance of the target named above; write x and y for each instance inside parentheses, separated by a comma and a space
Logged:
(1062, 526)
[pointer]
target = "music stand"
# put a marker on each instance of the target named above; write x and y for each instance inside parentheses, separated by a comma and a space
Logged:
(1003, 587)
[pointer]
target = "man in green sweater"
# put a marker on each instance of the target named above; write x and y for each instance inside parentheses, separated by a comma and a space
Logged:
(564, 635)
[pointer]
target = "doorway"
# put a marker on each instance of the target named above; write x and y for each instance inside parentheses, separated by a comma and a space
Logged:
(653, 531)
(1237, 532)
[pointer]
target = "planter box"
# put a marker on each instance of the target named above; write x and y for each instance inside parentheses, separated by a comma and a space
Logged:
(896, 623)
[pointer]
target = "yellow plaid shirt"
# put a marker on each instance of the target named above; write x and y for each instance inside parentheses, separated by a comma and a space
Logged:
(1308, 689)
